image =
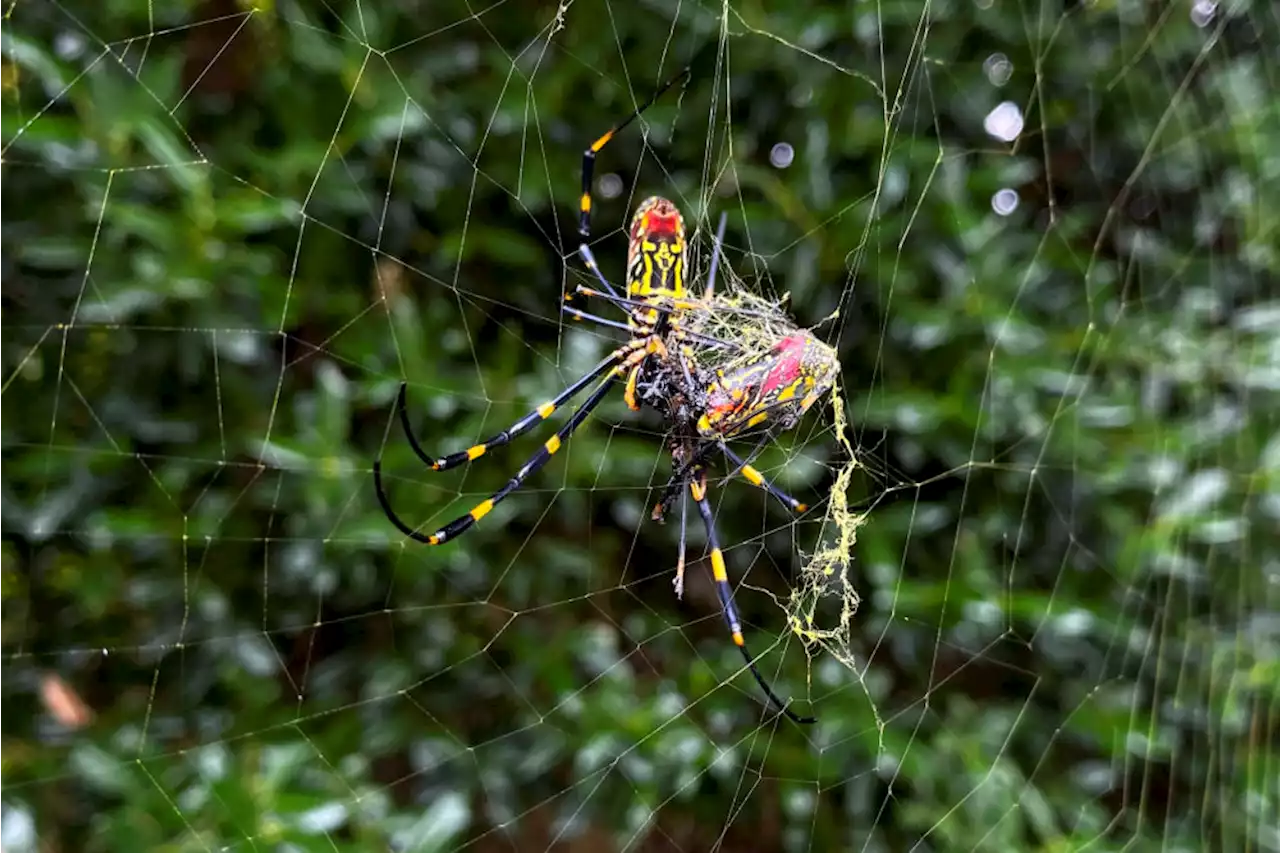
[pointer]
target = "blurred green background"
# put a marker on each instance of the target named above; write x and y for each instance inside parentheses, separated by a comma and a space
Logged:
(231, 231)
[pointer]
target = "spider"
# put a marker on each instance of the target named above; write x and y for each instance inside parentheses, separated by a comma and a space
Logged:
(666, 363)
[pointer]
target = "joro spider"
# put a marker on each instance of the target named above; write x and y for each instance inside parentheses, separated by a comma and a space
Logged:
(763, 391)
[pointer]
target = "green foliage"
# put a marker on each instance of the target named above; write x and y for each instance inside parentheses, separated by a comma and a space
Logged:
(231, 230)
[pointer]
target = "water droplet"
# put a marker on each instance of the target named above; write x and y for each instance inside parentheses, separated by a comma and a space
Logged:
(998, 69)
(781, 155)
(68, 45)
(610, 186)
(1005, 201)
(1004, 122)
(1203, 12)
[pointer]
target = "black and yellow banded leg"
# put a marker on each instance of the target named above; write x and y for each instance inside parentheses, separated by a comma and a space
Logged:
(753, 476)
(698, 490)
(520, 427)
(589, 155)
(747, 471)
(460, 525)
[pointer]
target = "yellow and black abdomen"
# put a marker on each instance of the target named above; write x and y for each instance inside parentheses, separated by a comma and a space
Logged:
(656, 254)
(657, 270)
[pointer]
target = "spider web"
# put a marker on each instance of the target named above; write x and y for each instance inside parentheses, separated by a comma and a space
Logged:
(1032, 605)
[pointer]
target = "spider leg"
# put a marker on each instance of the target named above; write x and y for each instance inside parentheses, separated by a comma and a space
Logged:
(589, 261)
(678, 583)
(715, 256)
(675, 484)
(520, 427)
(629, 390)
(461, 524)
(583, 315)
(698, 490)
(671, 306)
(748, 472)
(627, 303)
(670, 309)
(754, 477)
(589, 155)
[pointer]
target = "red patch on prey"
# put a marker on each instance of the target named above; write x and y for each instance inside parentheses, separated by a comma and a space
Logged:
(787, 366)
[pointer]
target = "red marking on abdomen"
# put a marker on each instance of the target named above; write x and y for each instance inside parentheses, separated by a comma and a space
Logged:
(657, 225)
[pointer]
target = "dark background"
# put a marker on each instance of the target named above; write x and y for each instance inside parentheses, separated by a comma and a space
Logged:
(230, 233)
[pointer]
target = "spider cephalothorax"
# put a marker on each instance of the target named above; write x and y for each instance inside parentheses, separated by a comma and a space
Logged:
(715, 367)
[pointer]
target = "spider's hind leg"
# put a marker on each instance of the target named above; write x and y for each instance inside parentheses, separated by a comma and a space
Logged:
(698, 491)
(755, 478)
